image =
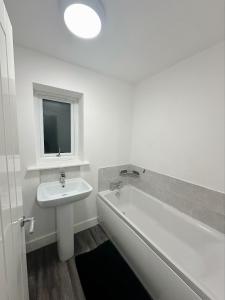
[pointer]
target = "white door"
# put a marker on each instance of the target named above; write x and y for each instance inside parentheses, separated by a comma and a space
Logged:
(13, 273)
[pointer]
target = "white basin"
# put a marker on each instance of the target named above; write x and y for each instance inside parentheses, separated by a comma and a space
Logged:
(51, 194)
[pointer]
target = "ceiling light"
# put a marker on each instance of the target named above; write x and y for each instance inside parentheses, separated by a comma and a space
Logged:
(83, 18)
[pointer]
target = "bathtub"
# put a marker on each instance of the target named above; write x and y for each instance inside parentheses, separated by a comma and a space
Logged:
(175, 256)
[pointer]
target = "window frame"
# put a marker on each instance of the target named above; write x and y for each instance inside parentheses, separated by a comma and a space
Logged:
(74, 128)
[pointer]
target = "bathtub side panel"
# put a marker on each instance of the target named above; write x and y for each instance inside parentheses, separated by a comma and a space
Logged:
(158, 279)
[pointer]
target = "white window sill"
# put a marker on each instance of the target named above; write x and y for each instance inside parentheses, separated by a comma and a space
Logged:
(58, 164)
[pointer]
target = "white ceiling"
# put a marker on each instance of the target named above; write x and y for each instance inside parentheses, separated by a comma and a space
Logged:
(139, 38)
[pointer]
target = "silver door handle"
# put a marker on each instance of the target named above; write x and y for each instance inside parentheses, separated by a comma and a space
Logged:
(30, 220)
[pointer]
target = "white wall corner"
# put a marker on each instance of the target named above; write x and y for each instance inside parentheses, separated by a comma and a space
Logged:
(50, 238)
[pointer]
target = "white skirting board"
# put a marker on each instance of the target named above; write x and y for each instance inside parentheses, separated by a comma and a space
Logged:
(50, 238)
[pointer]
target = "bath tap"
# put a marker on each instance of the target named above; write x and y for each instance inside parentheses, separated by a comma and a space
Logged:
(62, 178)
(115, 185)
(132, 173)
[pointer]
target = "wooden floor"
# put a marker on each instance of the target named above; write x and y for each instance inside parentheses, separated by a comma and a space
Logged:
(50, 279)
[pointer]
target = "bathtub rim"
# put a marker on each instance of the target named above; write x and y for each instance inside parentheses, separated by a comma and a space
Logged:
(185, 216)
(197, 287)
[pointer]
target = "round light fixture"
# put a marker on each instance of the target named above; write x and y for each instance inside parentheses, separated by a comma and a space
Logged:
(82, 20)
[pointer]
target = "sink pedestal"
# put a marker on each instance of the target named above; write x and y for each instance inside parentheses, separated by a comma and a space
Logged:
(64, 222)
(62, 197)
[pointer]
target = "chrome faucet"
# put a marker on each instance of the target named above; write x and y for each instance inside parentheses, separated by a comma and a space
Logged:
(62, 179)
(132, 173)
(115, 185)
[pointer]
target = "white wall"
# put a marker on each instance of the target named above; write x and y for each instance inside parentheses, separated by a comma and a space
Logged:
(178, 121)
(107, 119)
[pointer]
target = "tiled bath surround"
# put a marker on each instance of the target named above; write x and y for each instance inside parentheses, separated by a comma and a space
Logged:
(109, 174)
(200, 203)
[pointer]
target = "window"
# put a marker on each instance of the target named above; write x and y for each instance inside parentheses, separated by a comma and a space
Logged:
(58, 122)
(56, 127)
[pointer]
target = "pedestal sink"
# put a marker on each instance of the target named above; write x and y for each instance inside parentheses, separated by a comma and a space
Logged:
(54, 194)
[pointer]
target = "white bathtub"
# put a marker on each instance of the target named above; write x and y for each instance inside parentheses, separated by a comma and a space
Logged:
(175, 256)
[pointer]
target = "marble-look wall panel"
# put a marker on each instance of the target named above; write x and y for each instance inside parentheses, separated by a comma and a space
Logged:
(110, 174)
(54, 174)
(205, 205)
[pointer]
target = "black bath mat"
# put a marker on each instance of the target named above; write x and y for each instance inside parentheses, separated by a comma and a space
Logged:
(105, 275)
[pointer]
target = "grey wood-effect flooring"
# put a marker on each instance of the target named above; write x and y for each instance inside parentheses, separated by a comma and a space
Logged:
(50, 279)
